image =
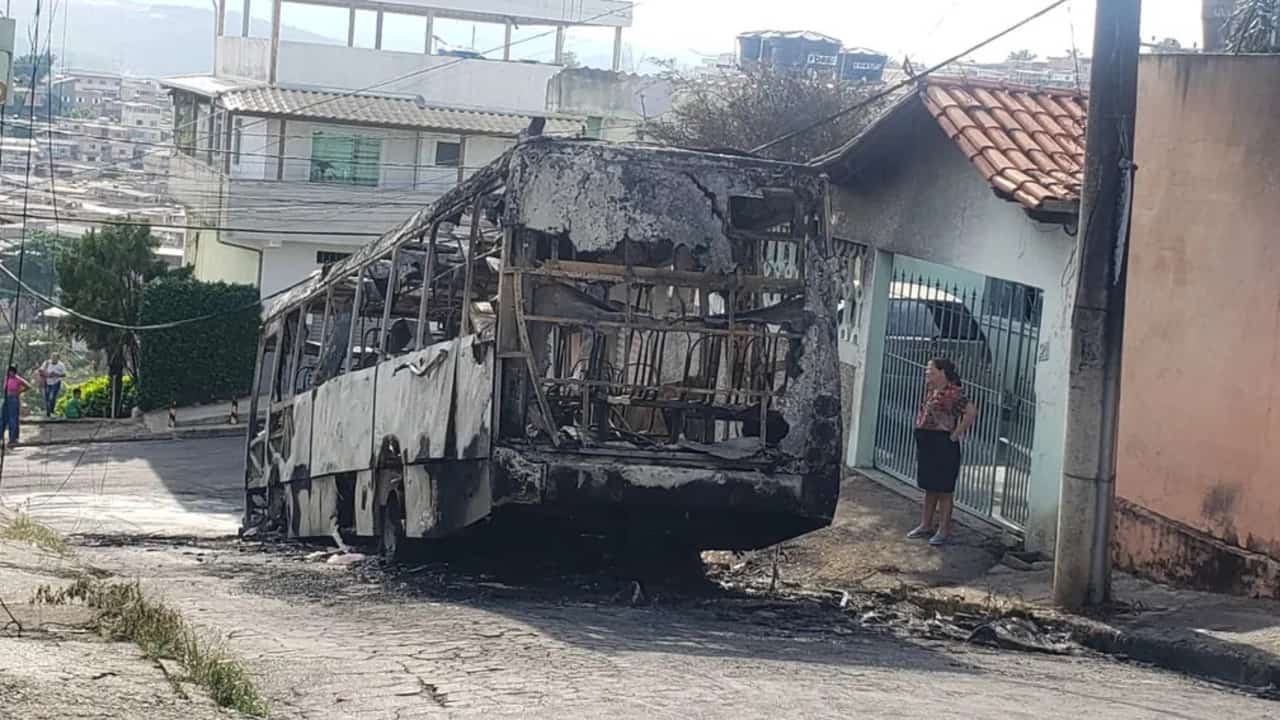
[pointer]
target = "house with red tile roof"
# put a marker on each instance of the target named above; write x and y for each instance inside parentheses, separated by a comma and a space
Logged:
(961, 203)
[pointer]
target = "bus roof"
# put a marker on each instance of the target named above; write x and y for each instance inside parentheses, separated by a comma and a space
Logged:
(613, 157)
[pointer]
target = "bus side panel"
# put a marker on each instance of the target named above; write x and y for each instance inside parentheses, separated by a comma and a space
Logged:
(444, 497)
(414, 402)
(314, 507)
(341, 440)
(298, 464)
(473, 409)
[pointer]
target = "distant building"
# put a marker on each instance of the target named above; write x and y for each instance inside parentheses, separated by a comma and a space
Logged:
(616, 105)
(811, 52)
(1066, 71)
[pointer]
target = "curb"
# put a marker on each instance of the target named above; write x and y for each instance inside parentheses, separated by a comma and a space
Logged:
(192, 434)
(1187, 652)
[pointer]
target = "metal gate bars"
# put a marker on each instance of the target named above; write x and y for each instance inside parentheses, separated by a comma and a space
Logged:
(992, 335)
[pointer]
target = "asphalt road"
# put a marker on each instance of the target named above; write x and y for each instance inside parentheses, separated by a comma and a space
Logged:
(356, 641)
(172, 487)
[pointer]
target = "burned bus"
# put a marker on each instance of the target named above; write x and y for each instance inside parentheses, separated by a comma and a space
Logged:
(593, 335)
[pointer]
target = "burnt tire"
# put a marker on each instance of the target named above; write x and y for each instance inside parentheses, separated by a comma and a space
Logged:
(391, 539)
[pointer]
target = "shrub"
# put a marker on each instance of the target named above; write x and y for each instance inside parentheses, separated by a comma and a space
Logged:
(95, 396)
(209, 361)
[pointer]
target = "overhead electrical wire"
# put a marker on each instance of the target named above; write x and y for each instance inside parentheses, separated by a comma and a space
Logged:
(172, 226)
(267, 155)
(340, 95)
(904, 83)
(22, 239)
(155, 326)
(53, 185)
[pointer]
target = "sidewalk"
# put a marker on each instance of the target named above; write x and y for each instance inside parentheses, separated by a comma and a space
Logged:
(40, 431)
(56, 666)
(212, 415)
(1230, 639)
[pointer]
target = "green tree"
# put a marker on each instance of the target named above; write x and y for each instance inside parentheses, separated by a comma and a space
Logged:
(103, 275)
(741, 112)
(40, 63)
(1254, 27)
(39, 264)
(1021, 56)
(23, 67)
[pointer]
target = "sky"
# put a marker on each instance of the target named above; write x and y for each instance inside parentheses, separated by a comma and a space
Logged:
(689, 30)
(925, 30)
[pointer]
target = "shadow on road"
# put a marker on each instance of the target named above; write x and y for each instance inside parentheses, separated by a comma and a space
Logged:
(130, 486)
(576, 593)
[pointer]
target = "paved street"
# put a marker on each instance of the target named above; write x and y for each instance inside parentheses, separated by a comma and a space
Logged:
(164, 487)
(435, 639)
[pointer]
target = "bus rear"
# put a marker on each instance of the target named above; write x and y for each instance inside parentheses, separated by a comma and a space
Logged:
(667, 345)
(609, 337)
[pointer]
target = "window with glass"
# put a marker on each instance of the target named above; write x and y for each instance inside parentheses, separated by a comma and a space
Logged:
(448, 154)
(345, 159)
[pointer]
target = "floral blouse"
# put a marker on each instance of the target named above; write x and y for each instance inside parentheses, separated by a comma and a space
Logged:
(942, 409)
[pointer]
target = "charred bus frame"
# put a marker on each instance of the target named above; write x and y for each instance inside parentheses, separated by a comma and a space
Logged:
(620, 336)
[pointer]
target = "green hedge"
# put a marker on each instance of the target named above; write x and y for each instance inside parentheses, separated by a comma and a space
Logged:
(209, 361)
(95, 397)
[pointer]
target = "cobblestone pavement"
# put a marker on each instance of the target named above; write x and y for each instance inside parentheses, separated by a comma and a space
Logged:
(336, 642)
(350, 641)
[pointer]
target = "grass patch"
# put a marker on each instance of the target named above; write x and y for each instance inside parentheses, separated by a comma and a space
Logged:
(21, 528)
(126, 614)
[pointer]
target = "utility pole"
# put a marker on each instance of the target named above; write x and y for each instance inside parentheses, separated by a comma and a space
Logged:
(1082, 560)
(1214, 15)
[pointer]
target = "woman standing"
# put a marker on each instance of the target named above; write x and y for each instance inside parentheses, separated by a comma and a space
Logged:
(945, 416)
(14, 386)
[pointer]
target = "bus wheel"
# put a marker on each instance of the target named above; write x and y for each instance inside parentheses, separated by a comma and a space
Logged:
(391, 543)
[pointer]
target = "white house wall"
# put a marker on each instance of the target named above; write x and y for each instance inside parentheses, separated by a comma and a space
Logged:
(242, 57)
(255, 199)
(213, 261)
(439, 79)
(290, 261)
(259, 144)
(931, 203)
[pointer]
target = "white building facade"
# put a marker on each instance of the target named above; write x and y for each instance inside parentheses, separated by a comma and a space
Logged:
(293, 155)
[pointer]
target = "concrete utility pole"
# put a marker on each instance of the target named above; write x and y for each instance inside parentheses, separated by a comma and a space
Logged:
(1082, 567)
(1214, 15)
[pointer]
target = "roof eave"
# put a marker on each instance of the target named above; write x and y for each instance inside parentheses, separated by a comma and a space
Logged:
(392, 126)
(1056, 211)
(868, 135)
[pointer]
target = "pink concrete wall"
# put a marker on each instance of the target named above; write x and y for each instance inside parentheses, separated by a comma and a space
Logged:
(1200, 406)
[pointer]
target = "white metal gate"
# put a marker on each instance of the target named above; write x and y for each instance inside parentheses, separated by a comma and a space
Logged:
(992, 336)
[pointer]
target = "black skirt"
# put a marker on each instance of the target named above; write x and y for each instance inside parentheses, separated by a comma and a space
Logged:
(937, 461)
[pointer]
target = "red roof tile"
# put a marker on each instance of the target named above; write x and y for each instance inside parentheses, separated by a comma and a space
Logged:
(1027, 142)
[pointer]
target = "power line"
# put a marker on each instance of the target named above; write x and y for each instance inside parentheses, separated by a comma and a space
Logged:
(171, 226)
(145, 328)
(53, 185)
(224, 152)
(908, 81)
(22, 240)
(339, 95)
(425, 134)
(319, 206)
